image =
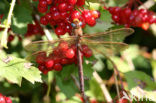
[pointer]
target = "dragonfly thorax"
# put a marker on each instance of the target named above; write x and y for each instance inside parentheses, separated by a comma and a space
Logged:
(77, 27)
(76, 24)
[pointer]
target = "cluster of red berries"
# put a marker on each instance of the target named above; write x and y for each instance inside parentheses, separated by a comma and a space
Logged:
(136, 18)
(4, 99)
(62, 55)
(34, 29)
(61, 14)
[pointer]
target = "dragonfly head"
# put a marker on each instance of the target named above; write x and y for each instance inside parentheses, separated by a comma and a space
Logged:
(76, 24)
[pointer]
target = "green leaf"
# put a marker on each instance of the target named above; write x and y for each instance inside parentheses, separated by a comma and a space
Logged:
(96, 90)
(153, 64)
(65, 81)
(74, 99)
(99, 27)
(106, 16)
(141, 85)
(4, 6)
(67, 86)
(87, 68)
(121, 65)
(117, 2)
(15, 69)
(133, 50)
(22, 17)
(93, 1)
(103, 24)
(93, 5)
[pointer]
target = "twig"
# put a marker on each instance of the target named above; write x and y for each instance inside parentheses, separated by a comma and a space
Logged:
(116, 72)
(103, 87)
(7, 25)
(148, 4)
(76, 82)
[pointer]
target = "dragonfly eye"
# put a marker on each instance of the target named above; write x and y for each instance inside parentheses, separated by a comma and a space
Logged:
(80, 23)
(73, 25)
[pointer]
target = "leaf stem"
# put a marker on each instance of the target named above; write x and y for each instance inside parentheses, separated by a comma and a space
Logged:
(7, 25)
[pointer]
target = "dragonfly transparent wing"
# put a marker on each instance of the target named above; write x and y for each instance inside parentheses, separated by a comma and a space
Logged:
(117, 35)
(48, 47)
(107, 42)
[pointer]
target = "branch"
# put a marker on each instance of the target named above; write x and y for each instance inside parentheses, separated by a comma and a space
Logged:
(148, 4)
(7, 25)
(103, 87)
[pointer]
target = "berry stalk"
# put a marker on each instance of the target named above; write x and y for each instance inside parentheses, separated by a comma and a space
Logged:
(7, 25)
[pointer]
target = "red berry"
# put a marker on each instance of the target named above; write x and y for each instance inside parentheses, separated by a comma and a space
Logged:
(57, 67)
(56, 52)
(49, 2)
(88, 53)
(122, 101)
(72, 2)
(8, 100)
(63, 15)
(2, 99)
(80, 2)
(56, 15)
(59, 31)
(43, 20)
(64, 61)
(145, 26)
(42, 9)
(68, 28)
(56, 60)
(53, 8)
(43, 3)
(49, 63)
(84, 47)
(127, 12)
(41, 67)
(70, 53)
(93, 101)
(75, 15)
(40, 59)
(63, 45)
(62, 7)
(11, 38)
(70, 7)
(49, 16)
(95, 13)
(45, 71)
(86, 15)
(91, 21)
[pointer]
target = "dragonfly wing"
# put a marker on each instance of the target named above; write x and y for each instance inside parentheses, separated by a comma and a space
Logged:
(107, 48)
(47, 47)
(107, 42)
(117, 35)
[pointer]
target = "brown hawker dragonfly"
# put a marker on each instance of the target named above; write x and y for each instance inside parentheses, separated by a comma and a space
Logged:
(109, 42)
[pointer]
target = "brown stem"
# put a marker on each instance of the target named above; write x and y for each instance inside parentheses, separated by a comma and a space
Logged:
(80, 67)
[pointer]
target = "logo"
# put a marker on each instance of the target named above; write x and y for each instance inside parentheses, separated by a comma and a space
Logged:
(134, 98)
(125, 96)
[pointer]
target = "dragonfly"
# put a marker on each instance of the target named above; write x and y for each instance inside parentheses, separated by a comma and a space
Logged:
(108, 43)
